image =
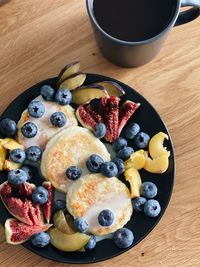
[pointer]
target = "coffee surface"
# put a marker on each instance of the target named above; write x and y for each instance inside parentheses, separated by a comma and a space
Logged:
(133, 20)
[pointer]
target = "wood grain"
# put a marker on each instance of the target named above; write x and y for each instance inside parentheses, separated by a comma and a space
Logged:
(37, 38)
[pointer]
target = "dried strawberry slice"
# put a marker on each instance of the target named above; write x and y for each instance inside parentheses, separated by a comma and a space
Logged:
(110, 113)
(17, 200)
(125, 112)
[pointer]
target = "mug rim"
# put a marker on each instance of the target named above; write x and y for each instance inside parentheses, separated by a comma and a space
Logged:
(130, 43)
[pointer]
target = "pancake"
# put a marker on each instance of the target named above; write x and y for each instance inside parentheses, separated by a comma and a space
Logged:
(45, 129)
(91, 194)
(71, 147)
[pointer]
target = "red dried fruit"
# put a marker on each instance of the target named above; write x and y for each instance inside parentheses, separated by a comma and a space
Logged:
(125, 112)
(87, 116)
(48, 206)
(110, 114)
(17, 232)
(18, 201)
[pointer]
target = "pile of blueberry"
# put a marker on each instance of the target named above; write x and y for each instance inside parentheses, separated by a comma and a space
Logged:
(146, 203)
(36, 109)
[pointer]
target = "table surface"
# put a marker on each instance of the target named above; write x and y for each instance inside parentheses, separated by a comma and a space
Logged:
(37, 38)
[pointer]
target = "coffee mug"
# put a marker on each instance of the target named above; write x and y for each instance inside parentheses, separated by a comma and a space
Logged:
(133, 52)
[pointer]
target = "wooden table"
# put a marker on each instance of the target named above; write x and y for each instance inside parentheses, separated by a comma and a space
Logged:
(37, 38)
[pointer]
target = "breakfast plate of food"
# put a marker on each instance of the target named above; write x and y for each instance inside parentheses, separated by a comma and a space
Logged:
(87, 168)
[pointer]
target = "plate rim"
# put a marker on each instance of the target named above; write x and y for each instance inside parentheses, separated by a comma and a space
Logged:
(120, 252)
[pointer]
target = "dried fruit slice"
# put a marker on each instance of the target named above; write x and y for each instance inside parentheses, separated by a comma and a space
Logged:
(74, 81)
(87, 116)
(17, 232)
(112, 88)
(133, 177)
(85, 94)
(2, 157)
(18, 201)
(66, 242)
(62, 223)
(10, 165)
(48, 206)
(68, 71)
(125, 112)
(10, 144)
(110, 114)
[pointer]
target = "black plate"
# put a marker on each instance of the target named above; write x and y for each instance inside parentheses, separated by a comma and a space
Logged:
(141, 225)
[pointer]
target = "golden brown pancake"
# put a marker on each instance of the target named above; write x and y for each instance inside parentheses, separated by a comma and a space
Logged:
(71, 147)
(91, 194)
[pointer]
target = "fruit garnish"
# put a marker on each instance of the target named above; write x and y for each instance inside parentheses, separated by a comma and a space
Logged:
(156, 165)
(85, 94)
(133, 177)
(48, 206)
(156, 148)
(110, 114)
(73, 82)
(10, 144)
(125, 112)
(136, 160)
(40, 240)
(17, 232)
(142, 140)
(68, 71)
(149, 190)
(18, 201)
(68, 242)
(112, 88)
(2, 157)
(88, 117)
(61, 222)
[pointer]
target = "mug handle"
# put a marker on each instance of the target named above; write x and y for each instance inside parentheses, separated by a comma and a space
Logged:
(188, 15)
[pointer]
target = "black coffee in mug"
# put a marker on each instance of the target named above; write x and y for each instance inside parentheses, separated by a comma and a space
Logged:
(133, 20)
(130, 33)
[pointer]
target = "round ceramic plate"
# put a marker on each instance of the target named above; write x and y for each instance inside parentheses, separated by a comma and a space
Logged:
(141, 225)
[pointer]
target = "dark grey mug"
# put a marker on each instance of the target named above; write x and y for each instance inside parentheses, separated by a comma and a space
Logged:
(133, 54)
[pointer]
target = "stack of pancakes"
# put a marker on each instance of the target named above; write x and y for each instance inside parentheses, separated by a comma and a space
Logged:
(72, 145)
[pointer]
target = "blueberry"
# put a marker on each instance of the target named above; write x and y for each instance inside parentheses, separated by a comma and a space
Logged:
(91, 243)
(58, 119)
(138, 204)
(17, 155)
(40, 195)
(106, 217)
(125, 153)
(28, 171)
(8, 127)
(132, 131)
(17, 177)
(59, 205)
(149, 190)
(119, 144)
(73, 173)
(29, 129)
(109, 169)
(123, 238)
(36, 109)
(94, 163)
(142, 140)
(100, 130)
(40, 240)
(63, 96)
(81, 225)
(120, 165)
(33, 153)
(47, 92)
(152, 208)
